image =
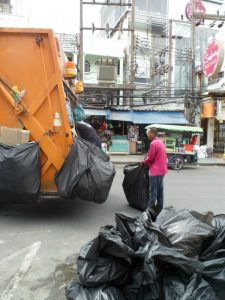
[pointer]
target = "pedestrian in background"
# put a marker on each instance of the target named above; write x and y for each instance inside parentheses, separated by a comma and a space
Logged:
(157, 162)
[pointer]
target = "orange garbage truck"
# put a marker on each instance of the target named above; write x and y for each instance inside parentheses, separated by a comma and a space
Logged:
(33, 96)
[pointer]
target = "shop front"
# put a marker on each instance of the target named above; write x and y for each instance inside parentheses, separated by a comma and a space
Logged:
(213, 111)
(124, 130)
(213, 124)
(219, 129)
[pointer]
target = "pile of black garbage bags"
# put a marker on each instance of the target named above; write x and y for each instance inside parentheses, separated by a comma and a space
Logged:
(87, 173)
(179, 256)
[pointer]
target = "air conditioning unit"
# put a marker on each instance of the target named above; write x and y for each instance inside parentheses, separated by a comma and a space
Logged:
(107, 73)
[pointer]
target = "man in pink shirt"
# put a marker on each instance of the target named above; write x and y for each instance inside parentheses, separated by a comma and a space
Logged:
(157, 162)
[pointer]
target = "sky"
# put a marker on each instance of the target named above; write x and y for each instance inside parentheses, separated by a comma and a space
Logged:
(62, 16)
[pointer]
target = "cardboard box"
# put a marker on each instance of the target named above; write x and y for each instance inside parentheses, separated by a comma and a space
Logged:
(13, 136)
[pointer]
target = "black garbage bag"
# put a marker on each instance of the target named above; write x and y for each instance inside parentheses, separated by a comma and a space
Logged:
(175, 285)
(215, 269)
(142, 287)
(139, 231)
(111, 243)
(159, 254)
(214, 273)
(126, 226)
(134, 231)
(149, 232)
(75, 291)
(180, 287)
(217, 241)
(136, 185)
(76, 163)
(19, 172)
(86, 173)
(166, 214)
(187, 230)
(94, 268)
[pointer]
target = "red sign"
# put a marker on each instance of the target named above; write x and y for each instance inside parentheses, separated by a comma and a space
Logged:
(213, 58)
(199, 8)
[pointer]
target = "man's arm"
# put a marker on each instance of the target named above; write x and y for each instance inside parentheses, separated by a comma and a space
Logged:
(151, 155)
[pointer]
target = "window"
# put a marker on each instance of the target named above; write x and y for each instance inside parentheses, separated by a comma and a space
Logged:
(155, 6)
(4, 1)
(87, 66)
(5, 6)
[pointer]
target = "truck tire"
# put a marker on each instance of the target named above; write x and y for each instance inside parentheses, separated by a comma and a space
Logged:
(176, 162)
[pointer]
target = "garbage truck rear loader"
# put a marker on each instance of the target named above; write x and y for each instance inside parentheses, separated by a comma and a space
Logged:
(30, 62)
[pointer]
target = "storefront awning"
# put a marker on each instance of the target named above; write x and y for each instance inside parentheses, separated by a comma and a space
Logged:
(95, 112)
(160, 117)
(149, 117)
(121, 116)
(140, 117)
(177, 128)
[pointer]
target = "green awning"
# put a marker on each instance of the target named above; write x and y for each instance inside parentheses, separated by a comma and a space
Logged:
(176, 128)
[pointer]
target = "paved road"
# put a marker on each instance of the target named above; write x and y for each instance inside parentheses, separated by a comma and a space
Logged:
(39, 244)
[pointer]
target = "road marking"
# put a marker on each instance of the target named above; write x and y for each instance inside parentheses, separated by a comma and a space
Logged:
(19, 275)
(10, 257)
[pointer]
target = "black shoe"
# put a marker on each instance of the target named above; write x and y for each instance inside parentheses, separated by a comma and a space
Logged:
(152, 213)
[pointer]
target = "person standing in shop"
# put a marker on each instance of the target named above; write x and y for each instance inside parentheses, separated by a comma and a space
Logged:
(157, 162)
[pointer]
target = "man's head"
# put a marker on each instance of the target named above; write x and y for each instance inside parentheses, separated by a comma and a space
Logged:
(151, 133)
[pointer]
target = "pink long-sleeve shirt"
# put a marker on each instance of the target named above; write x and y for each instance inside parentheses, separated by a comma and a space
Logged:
(156, 159)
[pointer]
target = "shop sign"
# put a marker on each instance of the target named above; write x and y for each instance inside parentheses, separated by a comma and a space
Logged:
(199, 8)
(213, 58)
(208, 110)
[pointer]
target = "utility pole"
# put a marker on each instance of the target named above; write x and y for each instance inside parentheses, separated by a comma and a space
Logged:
(193, 77)
(193, 48)
(170, 58)
(132, 42)
(81, 49)
(132, 47)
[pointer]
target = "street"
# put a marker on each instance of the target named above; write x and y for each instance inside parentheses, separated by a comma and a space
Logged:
(39, 243)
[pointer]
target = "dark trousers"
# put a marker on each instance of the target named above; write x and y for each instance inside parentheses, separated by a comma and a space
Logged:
(156, 192)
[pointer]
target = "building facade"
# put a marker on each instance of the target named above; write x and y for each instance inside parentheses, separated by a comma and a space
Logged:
(14, 13)
(163, 59)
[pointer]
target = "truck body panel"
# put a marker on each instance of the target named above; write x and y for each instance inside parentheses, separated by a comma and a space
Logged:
(29, 59)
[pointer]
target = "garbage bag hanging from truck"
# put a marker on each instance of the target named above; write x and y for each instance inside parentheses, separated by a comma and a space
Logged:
(19, 172)
(86, 173)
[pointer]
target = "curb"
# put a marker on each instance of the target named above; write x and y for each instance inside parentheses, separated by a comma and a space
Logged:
(124, 162)
(201, 164)
(212, 164)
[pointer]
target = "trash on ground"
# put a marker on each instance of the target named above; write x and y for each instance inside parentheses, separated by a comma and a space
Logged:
(179, 256)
